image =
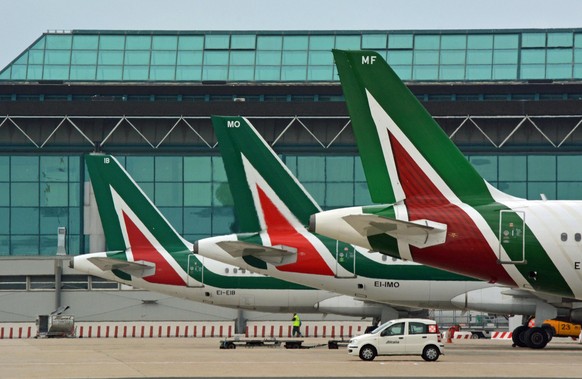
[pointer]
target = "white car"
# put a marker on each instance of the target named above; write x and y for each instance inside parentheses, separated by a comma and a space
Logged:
(406, 336)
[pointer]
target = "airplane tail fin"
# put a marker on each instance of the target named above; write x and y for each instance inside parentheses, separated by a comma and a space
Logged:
(259, 180)
(130, 220)
(405, 154)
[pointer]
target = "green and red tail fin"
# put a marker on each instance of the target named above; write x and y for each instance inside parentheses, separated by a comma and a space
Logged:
(404, 151)
(132, 223)
(255, 173)
(268, 199)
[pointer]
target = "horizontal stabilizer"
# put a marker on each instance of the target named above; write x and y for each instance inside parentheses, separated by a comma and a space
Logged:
(275, 255)
(139, 269)
(418, 233)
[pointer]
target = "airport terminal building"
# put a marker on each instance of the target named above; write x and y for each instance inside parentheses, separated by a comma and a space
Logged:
(510, 99)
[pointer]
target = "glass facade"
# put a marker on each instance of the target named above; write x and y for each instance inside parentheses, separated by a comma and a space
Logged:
(38, 194)
(297, 56)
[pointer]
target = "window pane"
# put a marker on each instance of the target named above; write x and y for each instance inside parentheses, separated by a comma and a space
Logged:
(189, 58)
(514, 188)
(560, 56)
(321, 42)
(54, 169)
(222, 220)
(189, 73)
(109, 73)
(85, 42)
(140, 168)
(339, 169)
(241, 73)
(242, 58)
(4, 197)
(169, 169)
(164, 42)
(197, 195)
(190, 42)
(293, 73)
(504, 72)
(512, 168)
(310, 168)
(57, 57)
(509, 41)
(24, 220)
(242, 41)
(267, 73)
(569, 191)
(136, 73)
(320, 73)
(25, 245)
(426, 57)
(504, 56)
(348, 42)
(295, 43)
(269, 42)
(316, 190)
(24, 194)
(137, 57)
(569, 168)
(214, 73)
(486, 166)
(168, 195)
(541, 167)
(452, 57)
(24, 168)
(84, 57)
(162, 72)
(198, 220)
(533, 71)
(197, 169)
(533, 56)
(268, 58)
(452, 72)
(479, 56)
(362, 194)
(111, 42)
(218, 41)
(58, 42)
(374, 41)
(294, 57)
(339, 194)
(320, 58)
(400, 41)
(560, 39)
(535, 189)
(559, 71)
(426, 72)
(480, 41)
(400, 57)
(426, 42)
(163, 58)
(174, 217)
(54, 194)
(36, 57)
(138, 42)
(110, 57)
(216, 57)
(454, 42)
(533, 40)
(218, 173)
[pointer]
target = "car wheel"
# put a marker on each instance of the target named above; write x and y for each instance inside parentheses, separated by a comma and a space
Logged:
(536, 338)
(430, 353)
(368, 353)
(518, 336)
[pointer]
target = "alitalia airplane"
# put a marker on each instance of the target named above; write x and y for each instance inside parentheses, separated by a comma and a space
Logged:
(272, 209)
(434, 208)
(146, 252)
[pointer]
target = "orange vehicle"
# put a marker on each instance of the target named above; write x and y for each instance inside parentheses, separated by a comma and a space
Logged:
(556, 328)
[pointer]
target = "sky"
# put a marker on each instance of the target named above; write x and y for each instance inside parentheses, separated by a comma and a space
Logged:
(24, 21)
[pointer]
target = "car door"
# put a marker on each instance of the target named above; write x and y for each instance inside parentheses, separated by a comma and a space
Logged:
(417, 337)
(392, 340)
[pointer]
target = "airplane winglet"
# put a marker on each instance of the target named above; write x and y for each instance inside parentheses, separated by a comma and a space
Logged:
(275, 255)
(418, 233)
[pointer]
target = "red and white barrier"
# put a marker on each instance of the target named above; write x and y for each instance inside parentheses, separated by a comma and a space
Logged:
(501, 335)
(17, 330)
(154, 329)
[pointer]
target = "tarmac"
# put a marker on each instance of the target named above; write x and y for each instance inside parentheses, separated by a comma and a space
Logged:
(201, 357)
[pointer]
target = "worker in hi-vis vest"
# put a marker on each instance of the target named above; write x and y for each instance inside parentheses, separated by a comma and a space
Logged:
(296, 326)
